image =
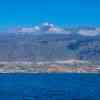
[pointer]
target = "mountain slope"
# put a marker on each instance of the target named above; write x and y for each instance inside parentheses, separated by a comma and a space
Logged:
(48, 47)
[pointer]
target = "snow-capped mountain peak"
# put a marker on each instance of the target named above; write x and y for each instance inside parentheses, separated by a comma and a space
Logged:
(53, 29)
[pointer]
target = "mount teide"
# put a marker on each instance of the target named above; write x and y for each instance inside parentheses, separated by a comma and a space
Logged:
(48, 43)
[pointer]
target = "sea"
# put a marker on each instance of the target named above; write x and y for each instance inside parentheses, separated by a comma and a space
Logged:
(49, 86)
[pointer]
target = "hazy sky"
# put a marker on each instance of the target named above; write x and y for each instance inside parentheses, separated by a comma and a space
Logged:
(28, 12)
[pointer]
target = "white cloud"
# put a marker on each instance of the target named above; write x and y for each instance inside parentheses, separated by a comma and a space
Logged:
(89, 32)
(36, 28)
(26, 30)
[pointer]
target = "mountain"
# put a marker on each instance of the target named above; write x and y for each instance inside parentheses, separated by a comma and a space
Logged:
(48, 43)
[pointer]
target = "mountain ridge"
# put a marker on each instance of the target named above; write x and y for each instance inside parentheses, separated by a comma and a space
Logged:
(49, 47)
(49, 28)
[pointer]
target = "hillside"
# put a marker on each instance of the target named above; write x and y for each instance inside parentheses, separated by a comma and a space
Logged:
(45, 47)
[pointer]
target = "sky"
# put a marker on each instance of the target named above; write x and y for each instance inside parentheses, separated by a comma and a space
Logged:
(60, 12)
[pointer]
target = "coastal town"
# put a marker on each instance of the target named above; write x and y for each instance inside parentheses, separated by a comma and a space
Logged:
(72, 66)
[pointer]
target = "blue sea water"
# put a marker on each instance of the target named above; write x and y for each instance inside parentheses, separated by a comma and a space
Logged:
(50, 86)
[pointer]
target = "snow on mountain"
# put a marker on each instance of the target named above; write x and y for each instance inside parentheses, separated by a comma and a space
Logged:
(53, 29)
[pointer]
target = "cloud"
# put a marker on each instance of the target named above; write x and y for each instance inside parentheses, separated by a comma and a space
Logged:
(86, 32)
